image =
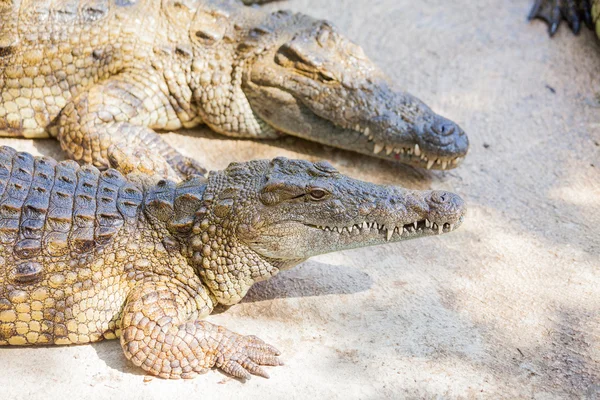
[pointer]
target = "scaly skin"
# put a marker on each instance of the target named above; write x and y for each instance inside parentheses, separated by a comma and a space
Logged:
(88, 255)
(103, 78)
(575, 12)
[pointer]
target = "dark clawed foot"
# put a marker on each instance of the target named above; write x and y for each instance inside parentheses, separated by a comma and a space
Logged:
(554, 11)
(246, 355)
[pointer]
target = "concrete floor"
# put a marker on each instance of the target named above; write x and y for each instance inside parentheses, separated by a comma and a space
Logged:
(507, 306)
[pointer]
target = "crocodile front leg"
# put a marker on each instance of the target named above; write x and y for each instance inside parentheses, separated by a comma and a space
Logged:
(553, 11)
(162, 332)
(112, 121)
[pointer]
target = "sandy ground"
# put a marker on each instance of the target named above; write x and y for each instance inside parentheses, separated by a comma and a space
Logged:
(507, 306)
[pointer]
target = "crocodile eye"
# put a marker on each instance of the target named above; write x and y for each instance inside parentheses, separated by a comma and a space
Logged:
(318, 194)
(325, 76)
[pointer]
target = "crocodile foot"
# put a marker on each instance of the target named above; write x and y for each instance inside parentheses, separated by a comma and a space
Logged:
(241, 356)
(129, 159)
(553, 11)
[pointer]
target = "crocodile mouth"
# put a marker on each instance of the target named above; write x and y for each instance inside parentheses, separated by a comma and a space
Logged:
(407, 154)
(414, 229)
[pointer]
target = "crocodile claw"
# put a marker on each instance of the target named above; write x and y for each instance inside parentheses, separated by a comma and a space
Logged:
(554, 11)
(587, 14)
(186, 166)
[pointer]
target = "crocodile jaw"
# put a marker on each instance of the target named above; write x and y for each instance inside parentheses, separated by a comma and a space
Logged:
(406, 144)
(312, 240)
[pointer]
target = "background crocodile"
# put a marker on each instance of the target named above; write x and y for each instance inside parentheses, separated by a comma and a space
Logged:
(87, 256)
(102, 76)
(575, 12)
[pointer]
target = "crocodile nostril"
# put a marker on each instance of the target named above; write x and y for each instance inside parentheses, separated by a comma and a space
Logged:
(446, 129)
(440, 197)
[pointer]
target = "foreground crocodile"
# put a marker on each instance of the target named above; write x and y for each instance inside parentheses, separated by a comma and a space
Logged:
(575, 12)
(101, 76)
(88, 255)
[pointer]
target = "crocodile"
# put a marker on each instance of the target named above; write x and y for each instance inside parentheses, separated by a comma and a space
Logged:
(104, 76)
(575, 12)
(87, 255)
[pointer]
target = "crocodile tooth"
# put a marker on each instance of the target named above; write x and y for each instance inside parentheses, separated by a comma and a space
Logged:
(456, 160)
(430, 164)
(415, 224)
(451, 226)
(444, 164)
(440, 228)
(434, 226)
(438, 161)
(377, 148)
(357, 127)
(397, 150)
(427, 223)
(417, 150)
(388, 150)
(367, 131)
(389, 234)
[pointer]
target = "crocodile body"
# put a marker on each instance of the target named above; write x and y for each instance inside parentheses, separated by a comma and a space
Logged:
(103, 75)
(87, 255)
(575, 12)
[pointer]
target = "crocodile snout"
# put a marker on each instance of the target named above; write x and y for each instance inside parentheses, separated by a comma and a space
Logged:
(444, 138)
(446, 205)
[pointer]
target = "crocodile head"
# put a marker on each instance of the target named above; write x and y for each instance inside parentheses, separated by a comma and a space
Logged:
(312, 82)
(297, 75)
(263, 216)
